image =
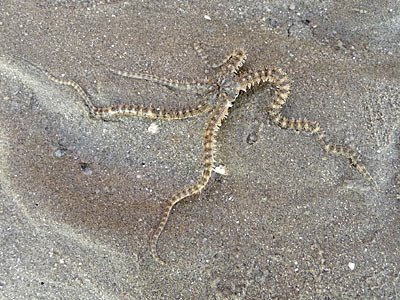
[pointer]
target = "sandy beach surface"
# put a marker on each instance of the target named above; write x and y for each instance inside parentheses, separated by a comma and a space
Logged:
(79, 197)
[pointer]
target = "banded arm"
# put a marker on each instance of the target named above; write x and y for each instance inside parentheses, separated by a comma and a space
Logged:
(132, 110)
(195, 85)
(230, 64)
(160, 113)
(233, 61)
(282, 91)
(277, 78)
(74, 85)
(210, 135)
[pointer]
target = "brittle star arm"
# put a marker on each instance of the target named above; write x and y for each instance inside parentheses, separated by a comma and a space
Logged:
(203, 56)
(233, 61)
(282, 91)
(118, 110)
(195, 85)
(230, 64)
(274, 76)
(213, 124)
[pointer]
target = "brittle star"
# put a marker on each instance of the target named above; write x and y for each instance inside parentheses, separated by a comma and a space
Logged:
(223, 90)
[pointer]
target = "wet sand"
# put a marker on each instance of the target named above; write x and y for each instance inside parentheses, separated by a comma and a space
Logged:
(79, 196)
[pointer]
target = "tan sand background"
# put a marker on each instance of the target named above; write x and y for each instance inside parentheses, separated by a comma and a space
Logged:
(79, 196)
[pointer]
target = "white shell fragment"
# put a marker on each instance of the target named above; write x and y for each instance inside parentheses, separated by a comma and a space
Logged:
(220, 169)
(153, 128)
